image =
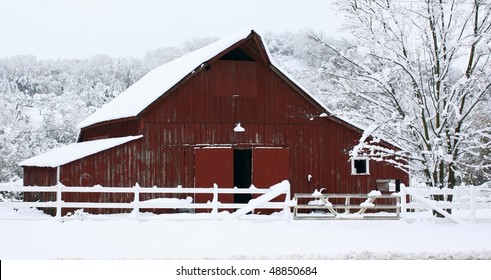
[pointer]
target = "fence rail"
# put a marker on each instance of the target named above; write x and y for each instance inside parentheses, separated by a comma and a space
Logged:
(340, 206)
(467, 200)
(409, 201)
(160, 203)
(463, 198)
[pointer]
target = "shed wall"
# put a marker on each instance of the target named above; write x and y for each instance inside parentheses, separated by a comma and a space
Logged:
(115, 167)
(40, 176)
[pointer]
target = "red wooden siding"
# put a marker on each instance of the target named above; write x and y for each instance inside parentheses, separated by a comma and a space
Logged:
(223, 78)
(40, 176)
(115, 167)
(246, 78)
(110, 130)
(214, 166)
(270, 166)
(229, 78)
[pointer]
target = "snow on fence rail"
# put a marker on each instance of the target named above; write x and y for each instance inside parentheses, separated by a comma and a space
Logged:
(468, 200)
(373, 205)
(263, 201)
(409, 201)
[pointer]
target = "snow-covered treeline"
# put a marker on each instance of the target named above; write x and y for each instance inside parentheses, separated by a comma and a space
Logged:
(43, 100)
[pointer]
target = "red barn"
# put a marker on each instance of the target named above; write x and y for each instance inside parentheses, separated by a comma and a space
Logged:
(222, 114)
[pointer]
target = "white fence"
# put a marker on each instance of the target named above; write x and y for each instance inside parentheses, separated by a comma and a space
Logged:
(372, 206)
(461, 203)
(456, 205)
(466, 203)
(262, 202)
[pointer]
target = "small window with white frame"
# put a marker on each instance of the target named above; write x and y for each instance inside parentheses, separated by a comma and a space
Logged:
(359, 166)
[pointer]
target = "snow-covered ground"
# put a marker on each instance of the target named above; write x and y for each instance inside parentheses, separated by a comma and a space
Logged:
(29, 234)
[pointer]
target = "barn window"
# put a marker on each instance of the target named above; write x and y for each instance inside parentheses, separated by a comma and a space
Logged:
(359, 166)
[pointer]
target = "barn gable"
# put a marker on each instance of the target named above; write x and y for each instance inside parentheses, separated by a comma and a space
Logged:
(158, 81)
(243, 50)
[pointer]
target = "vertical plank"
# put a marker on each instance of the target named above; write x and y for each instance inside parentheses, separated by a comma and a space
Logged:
(213, 166)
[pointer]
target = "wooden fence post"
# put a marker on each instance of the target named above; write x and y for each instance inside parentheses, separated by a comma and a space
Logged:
(58, 201)
(472, 201)
(403, 195)
(214, 203)
(136, 201)
(287, 203)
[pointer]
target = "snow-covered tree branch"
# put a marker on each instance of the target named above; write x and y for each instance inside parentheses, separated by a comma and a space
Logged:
(421, 72)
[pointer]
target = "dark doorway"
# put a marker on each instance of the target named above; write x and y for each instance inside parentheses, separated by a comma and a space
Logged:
(242, 173)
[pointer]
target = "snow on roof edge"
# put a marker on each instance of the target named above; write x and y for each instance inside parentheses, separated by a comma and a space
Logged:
(313, 97)
(65, 154)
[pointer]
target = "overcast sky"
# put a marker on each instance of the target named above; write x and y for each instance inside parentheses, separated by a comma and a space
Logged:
(81, 28)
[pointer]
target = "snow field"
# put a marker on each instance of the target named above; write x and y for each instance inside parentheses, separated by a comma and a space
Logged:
(87, 237)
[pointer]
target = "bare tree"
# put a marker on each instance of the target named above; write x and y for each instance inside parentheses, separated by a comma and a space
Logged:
(421, 71)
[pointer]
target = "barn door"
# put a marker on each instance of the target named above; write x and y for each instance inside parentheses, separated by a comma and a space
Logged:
(242, 173)
(270, 166)
(213, 166)
(227, 168)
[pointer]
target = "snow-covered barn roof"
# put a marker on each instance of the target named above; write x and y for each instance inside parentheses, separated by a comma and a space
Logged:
(158, 81)
(153, 85)
(75, 151)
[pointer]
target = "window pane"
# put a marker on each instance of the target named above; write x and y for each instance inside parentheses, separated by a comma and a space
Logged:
(361, 166)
